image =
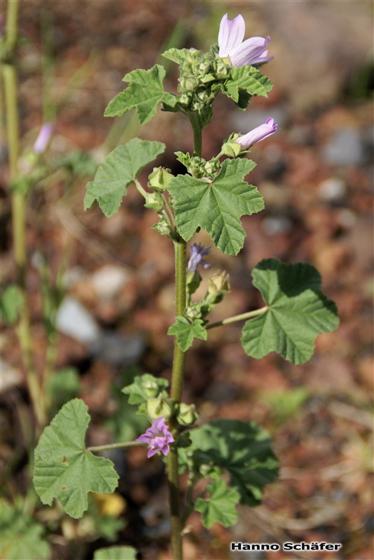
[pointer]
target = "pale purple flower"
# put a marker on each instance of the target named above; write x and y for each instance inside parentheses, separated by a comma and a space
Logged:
(158, 437)
(230, 41)
(197, 254)
(44, 136)
(259, 133)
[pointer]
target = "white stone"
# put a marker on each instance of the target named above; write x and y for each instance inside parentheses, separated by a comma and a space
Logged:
(74, 320)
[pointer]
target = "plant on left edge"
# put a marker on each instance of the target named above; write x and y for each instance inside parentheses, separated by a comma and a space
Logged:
(224, 462)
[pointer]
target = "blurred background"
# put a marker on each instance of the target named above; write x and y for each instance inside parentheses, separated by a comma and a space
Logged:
(104, 287)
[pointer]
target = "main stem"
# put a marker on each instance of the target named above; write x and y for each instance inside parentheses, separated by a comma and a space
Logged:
(177, 375)
(18, 204)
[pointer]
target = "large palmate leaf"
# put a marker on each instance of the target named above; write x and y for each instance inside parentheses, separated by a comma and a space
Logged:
(246, 79)
(297, 312)
(220, 505)
(20, 535)
(115, 553)
(119, 169)
(144, 93)
(186, 331)
(217, 205)
(242, 449)
(64, 468)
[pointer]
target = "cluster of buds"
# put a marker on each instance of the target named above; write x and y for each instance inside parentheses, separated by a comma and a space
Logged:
(159, 181)
(200, 74)
(199, 167)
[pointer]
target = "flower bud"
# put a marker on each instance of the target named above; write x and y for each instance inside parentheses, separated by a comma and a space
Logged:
(157, 407)
(160, 178)
(154, 201)
(162, 227)
(151, 388)
(218, 284)
(185, 99)
(187, 414)
(231, 149)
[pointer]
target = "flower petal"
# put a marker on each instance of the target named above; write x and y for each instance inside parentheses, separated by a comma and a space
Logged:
(251, 51)
(231, 34)
(269, 127)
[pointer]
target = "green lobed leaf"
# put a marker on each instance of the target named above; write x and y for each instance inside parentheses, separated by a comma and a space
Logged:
(119, 169)
(11, 302)
(178, 55)
(220, 505)
(64, 469)
(186, 331)
(20, 536)
(144, 93)
(242, 449)
(115, 553)
(247, 80)
(217, 205)
(297, 312)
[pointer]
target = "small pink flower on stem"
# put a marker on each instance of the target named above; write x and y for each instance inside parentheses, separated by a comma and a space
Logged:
(269, 127)
(44, 136)
(197, 254)
(230, 41)
(158, 438)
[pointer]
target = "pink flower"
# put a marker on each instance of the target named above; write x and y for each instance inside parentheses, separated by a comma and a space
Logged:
(259, 133)
(44, 136)
(231, 44)
(158, 438)
(198, 252)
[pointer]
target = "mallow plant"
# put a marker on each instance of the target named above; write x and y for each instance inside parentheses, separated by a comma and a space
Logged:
(211, 467)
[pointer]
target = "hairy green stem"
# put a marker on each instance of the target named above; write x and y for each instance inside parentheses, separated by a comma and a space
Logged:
(11, 27)
(18, 203)
(180, 248)
(197, 136)
(176, 395)
(235, 318)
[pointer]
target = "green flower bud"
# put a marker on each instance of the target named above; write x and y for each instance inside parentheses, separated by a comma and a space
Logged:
(185, 99)
(154, 201)
(222, 68)
(187, 414)
(231, 149)
(160, 178)
(162, 227)
(157, 407)
(207, 78)
(188, 83)
(151, 388)
(218, 284)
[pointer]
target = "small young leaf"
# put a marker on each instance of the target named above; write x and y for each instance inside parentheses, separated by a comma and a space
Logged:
(64, 469)
(115, 553)
(144, 93)
(216, 206)
(20, 535)
(297, 312)
(185, 332)
(220, 505)
(242, 449)
(119, 169)
(247, 80)
(11, 301)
